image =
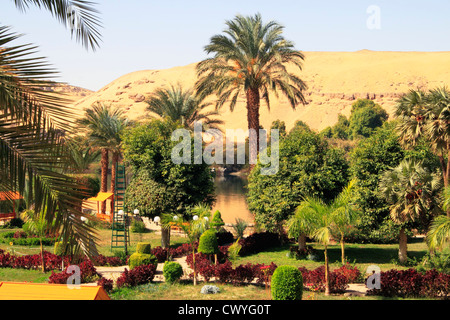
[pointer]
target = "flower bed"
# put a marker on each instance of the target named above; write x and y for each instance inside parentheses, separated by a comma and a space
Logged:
(413, 284)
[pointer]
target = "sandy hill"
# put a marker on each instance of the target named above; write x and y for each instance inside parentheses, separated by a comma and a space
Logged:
(334, 79)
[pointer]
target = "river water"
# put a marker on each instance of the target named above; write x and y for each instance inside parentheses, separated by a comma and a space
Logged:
(231, 199)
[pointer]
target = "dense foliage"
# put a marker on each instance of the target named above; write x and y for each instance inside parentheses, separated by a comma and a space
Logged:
(307, 166)
(159, 185)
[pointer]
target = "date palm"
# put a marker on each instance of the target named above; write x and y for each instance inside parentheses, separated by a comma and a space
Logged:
(33, 156)
(413, 193)
(251, 58)
(182, 106)
(104, 126)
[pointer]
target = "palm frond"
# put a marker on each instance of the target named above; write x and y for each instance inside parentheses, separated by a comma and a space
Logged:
(79, 16)
(33, 122)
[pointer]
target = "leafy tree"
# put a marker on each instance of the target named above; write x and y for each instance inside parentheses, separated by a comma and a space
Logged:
(177, 104)
(306, 166)
(412, 194)
(369, 160)
(33, 157)
(365, 117)
(250, 58)
(159, 186)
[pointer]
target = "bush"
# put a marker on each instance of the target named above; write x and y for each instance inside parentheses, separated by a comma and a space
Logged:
(208, 242)
(217, 221)
(172, 271)
(315, 280)
(137, 276)
(287, 283)
(138, 226)
(106, 284)
(258, 242)
(224, 238)
(413, 284)
(88, 273)
(140, 259)
(145, 248)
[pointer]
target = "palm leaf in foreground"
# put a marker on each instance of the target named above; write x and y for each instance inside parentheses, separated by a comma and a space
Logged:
(33, 155)
(79, 15)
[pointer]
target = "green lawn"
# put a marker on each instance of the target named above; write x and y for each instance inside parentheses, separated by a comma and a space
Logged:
(361, 255)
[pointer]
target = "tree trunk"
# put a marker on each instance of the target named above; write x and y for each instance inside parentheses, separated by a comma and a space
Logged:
(327, 272)
(104, 178)
(42, 256)
(302, 242)
(403, 246)
(253, 103)
(193, 265)
(115, 161)
(165, 237)
(342, 250)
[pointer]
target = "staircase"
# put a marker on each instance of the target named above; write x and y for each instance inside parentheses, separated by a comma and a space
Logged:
(120, 238)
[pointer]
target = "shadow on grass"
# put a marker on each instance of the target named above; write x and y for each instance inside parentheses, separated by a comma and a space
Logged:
(376, 255)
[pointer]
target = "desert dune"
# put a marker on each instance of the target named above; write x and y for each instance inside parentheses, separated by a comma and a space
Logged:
(335, 80)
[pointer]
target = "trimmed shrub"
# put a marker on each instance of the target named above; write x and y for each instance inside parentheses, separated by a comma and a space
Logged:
(217, 221)
(172, 271)
(208, 242)
(143, 247)
(140, 259)
(287, 283)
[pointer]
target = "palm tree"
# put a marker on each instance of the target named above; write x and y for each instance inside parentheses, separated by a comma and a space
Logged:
(439, 231)
(182, 106)
(33, 155)
(318, 217)
(426, 115)
(39, 226)
(83, 156)
(251, 58)
(104, 127)
(412, 192)
(344, 214)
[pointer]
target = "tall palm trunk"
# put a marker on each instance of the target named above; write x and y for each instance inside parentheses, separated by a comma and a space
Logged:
(327, 273)
(104, 178)
(115, 161)
(403, 246)
(342, 249)
(253, 104)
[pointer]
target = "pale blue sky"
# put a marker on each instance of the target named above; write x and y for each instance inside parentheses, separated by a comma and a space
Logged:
(141, 34)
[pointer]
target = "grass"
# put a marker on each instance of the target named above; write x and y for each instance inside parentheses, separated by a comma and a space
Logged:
(361, 255)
